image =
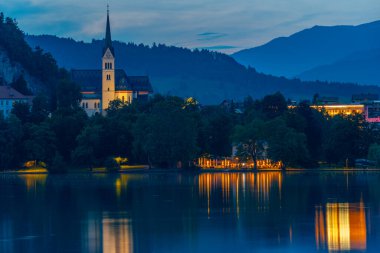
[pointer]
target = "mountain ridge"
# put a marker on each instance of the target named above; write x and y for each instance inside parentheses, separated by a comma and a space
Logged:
(208, 76)
(310, 48)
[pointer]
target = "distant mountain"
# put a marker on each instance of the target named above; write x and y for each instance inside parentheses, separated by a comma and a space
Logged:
(360, 67)
(208, 76)
(311, 48)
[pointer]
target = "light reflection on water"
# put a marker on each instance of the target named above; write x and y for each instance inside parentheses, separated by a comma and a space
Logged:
(266, 211)
(341, 226)
(107, 233)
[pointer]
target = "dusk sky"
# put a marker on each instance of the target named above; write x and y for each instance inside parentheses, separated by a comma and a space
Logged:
(223, 25)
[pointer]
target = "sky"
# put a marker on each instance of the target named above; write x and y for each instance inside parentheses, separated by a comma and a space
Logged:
(222, 25)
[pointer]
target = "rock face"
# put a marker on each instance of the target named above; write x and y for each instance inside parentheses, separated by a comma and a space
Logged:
(10, 71)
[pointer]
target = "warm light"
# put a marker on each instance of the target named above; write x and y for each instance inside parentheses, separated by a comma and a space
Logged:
(343, 226)
(117, 235)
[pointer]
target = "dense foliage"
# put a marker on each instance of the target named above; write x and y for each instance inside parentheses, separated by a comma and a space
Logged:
(169, 132)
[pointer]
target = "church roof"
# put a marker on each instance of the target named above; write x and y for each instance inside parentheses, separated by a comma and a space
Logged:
(91, 80)
(108, 40)
(7, 92)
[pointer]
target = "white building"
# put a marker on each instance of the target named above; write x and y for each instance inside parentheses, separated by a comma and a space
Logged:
(9, 96)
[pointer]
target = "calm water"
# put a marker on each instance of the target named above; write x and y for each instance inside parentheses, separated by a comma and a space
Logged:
(223, 212)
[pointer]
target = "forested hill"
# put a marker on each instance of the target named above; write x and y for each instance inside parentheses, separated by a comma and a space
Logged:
(17, 59)
(208, 76)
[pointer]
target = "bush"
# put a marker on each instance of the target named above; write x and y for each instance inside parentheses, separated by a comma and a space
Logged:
(111, 165)
(58, 165)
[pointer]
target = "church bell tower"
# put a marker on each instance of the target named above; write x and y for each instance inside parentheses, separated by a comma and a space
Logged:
(108, 69)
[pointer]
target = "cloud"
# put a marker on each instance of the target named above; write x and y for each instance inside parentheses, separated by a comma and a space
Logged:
(210, 36)
(241, 23)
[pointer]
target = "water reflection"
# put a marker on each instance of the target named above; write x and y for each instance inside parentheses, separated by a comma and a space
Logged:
(117, 235)
(341, 226)
(34, 182)
(190, 212)
(107, 233)
(231, 187)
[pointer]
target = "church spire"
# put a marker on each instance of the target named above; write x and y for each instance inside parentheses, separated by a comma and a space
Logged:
(108, 40)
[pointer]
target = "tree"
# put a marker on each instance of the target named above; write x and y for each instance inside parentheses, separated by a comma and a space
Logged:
(311, 122)
(252, 139)
(58, 165)
(374, 153)
(88, 144)
(347, 138)
(21, 86)
(274, 105)
(215, 128)
(285, 144)
(40, 146)
(40, 109)
(22, 111)
(11, 134)
(68, 95)
(167, 135)
(67, 124)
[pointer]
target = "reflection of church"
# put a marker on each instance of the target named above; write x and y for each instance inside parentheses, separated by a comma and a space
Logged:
(100, 87)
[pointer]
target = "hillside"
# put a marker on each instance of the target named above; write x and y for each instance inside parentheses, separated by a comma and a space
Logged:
(310, 48)
(360, 67)
(208, 76)
(17, 58)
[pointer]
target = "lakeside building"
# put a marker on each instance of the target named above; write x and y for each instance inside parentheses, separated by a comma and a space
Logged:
(8, 97)
(101, 86)
(340, 109)
(370, 110)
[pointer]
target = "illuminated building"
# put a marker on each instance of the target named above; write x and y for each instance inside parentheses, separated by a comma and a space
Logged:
(100, 87)
(235, 163)
(341, 226)
(372, 112)
(342, 109)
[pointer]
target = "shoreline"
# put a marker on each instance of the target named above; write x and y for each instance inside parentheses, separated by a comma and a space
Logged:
(182, 171)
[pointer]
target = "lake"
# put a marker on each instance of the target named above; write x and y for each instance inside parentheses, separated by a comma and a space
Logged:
(209, 212)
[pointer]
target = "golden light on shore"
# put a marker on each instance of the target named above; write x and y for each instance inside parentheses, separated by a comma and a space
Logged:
(341, 226)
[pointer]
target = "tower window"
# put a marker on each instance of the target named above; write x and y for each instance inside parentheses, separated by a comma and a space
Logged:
(123, 99)
(111, 65)
(86, 105)
(108, 89)
(95, 105)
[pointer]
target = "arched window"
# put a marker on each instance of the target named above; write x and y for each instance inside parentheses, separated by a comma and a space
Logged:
(108, 89)
(95, 105)
(122, 99)
(86, 105)
(110, 65)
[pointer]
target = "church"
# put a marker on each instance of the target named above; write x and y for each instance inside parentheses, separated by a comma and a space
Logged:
(101, 86)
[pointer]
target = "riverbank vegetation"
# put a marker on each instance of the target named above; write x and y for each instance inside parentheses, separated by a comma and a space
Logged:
(170, 132)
